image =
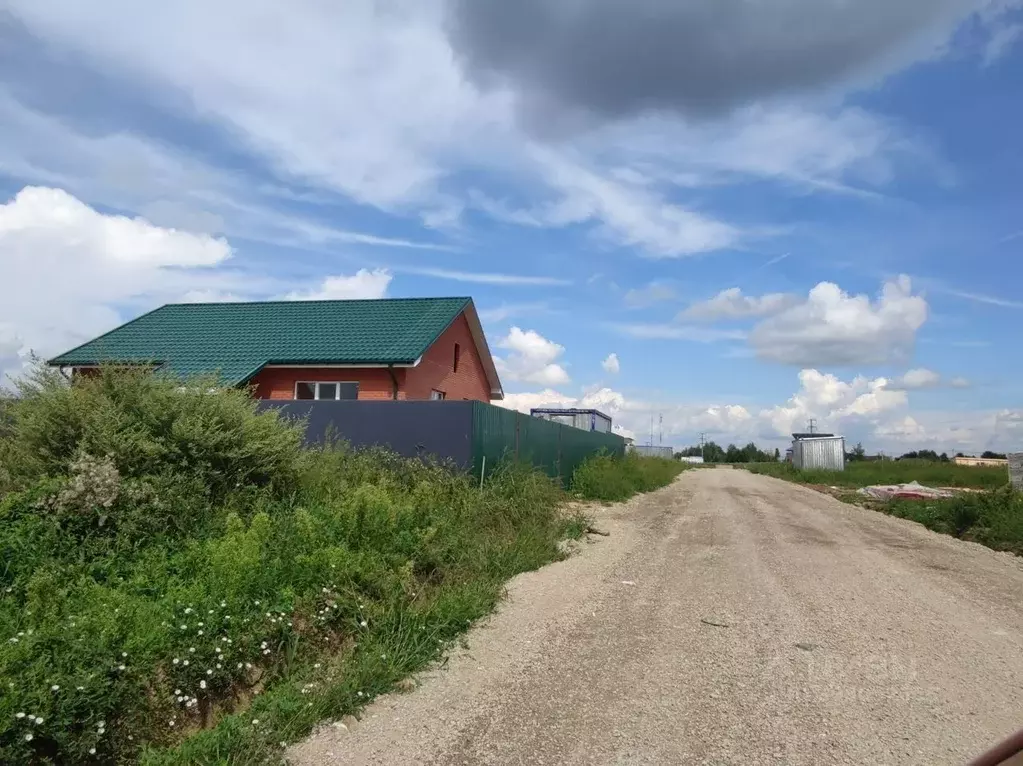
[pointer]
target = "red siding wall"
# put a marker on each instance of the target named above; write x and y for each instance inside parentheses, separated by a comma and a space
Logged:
(433, 373)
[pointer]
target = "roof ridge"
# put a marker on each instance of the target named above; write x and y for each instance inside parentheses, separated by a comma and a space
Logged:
(307, 300)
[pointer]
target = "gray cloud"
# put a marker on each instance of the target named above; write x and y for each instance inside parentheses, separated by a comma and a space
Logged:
(615, 58)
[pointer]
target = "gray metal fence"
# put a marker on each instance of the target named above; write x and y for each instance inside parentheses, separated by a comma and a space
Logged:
(647, 450)
(462, 433)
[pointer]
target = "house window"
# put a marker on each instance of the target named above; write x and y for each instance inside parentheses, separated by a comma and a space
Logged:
(458, 354)
(436, 396)
(326, 390)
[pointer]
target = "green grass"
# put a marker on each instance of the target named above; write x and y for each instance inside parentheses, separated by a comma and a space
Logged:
(993, 518)
(863, 474)
(181, 583)
(611, 479)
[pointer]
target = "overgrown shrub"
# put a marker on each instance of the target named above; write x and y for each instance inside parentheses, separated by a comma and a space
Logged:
(180, 583)
(146, 425)
(603, 477)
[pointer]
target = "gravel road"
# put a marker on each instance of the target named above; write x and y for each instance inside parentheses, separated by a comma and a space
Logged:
(727, 619)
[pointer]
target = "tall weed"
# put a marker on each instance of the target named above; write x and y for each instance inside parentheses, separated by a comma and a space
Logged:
(611, 479)
(180, 583)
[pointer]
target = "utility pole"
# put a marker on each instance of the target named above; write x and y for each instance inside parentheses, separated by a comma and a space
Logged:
(651, 430)
(812, 426)
(703, 446)
(660, 430)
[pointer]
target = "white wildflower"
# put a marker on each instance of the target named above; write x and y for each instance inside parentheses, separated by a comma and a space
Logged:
(29, 737)
(202, 684)
(92, 751)
(255, 722)
(19, 715)
(209, 672)
(55, 688)
(364, 624)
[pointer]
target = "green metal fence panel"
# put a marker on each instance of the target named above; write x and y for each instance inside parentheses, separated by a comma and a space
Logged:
(557, 449)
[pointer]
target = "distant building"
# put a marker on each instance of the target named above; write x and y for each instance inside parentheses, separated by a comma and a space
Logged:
(587, 420)
(979, 461)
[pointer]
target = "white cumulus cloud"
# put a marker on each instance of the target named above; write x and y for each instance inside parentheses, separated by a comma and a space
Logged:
(918, 378)
(533, 359)
(732, 304)
(66, 269)
(363, 284)
(612, 364)
(833, 327)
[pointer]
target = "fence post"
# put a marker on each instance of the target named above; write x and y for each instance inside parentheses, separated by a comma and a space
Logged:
(561, 430)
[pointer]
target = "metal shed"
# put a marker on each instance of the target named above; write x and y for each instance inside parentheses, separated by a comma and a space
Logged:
(819, 453)
(585, 420)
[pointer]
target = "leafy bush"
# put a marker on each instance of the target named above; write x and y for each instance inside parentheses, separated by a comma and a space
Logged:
(182, 584)
(603, 477)
(146, 426)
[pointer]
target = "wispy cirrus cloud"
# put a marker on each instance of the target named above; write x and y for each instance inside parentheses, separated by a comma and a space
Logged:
(485, 278)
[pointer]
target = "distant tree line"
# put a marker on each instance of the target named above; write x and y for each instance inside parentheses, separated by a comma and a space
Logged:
(715, 453)
(751, 453)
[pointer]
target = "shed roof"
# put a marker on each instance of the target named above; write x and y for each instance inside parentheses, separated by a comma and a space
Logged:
(236, 340)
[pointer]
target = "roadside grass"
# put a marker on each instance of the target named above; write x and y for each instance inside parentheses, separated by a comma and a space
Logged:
(865, 473)
(612, 479)
(182, 583)
(992, 517)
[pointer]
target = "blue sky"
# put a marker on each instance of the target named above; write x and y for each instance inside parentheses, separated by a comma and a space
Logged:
(760, 231)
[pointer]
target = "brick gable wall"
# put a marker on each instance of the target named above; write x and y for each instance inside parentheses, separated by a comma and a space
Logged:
(435, 372)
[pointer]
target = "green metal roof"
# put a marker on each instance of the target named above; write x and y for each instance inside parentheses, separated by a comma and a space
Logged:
(235, 340)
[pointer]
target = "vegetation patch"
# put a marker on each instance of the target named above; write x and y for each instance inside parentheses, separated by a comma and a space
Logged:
(612, 479)
(182, 583)
(987, 511)
(994, 518)
(867, 473)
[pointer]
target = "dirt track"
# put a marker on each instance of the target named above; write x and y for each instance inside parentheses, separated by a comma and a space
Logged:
(728, 619)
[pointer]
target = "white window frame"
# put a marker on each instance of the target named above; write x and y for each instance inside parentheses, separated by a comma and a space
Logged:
(316, 389)
(442, 395)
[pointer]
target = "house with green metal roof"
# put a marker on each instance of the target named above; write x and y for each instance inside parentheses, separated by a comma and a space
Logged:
(405, 348)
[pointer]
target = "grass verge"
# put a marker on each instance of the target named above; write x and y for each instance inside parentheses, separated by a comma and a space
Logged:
(864, 474)
(181, 583)
(994, 519)
(612, 479)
